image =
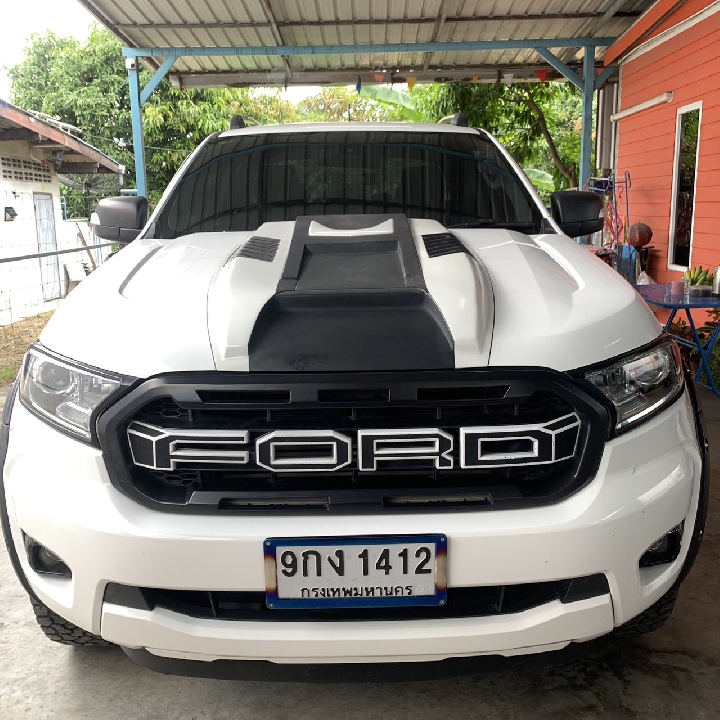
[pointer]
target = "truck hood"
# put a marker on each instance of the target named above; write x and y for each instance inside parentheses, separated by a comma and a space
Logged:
(341, 298)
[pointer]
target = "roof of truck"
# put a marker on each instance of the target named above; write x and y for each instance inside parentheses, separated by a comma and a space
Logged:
(348, 126)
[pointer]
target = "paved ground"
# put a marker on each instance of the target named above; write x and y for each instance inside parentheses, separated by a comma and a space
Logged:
(674, 673)
(4, 390)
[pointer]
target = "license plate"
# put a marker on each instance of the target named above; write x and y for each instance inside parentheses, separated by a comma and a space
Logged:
(351, 572)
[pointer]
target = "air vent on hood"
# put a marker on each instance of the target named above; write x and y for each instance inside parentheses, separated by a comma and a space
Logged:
(442, 244)
(258, 248)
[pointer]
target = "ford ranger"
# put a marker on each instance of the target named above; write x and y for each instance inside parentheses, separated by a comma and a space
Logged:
(351, 396)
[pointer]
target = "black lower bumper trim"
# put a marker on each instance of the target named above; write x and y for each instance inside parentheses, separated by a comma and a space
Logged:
(482, 601)
(265, 671)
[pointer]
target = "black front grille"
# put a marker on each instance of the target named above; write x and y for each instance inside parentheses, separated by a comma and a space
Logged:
(461, 602)
(260, 404)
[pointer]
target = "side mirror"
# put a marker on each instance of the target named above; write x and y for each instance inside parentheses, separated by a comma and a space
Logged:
(576, 212)
(120, 218)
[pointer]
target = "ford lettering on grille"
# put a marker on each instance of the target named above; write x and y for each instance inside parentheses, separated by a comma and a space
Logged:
(283, 451)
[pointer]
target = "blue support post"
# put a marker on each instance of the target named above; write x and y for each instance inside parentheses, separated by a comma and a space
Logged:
(587, 116)
(587, 87)
(138, 138)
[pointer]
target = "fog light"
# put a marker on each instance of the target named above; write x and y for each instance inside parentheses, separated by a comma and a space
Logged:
(664, 550)
(44, 561)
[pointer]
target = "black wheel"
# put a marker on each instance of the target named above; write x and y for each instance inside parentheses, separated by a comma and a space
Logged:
(60, 630)
(653, 618)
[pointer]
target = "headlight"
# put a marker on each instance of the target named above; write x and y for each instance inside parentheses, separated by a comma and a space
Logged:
(642, 384)
(63, 394)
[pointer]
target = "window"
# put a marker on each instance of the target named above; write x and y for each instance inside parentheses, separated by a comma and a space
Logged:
(23, 170)
(687, 139)
(240, 182)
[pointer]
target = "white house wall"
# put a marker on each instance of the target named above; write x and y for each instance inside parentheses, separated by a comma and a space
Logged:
(21, 292)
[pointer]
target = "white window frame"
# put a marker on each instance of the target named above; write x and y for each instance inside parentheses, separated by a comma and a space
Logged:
(673, 202)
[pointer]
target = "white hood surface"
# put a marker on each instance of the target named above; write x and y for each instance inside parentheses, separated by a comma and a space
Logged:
(192, 303)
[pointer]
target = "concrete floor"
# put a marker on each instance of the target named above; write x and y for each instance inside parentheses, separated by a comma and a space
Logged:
(673, 673)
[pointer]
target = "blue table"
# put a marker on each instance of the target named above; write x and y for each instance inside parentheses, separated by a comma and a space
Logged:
(655, 295)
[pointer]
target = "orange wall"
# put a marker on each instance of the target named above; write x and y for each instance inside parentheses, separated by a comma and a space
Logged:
(686, 10)
(688, 65)
(659, 17)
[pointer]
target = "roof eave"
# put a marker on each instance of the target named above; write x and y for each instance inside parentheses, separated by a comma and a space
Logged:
(47, 131)
(640, 29)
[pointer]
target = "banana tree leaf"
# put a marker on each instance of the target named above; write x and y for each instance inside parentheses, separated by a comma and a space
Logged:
(389, 96)
(540, 179)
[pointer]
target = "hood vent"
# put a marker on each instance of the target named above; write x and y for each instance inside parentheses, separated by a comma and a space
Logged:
(258, 248)
(443, 244)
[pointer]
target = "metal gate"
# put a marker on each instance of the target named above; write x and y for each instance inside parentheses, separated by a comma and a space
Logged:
(47, 242)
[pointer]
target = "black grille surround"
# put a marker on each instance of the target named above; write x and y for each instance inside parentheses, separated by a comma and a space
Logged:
(347, 402)
(462, 602)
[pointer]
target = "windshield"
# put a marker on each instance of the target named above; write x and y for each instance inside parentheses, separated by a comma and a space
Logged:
(243, 181)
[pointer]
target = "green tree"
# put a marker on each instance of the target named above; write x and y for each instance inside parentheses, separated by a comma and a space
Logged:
(338, 104)
(86, 85)
(539, 123)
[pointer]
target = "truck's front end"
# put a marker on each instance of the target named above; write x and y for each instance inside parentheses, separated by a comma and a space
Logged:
(351, 398)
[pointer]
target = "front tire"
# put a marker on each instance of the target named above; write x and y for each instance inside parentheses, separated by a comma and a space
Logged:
(652, 619)
(61, 631)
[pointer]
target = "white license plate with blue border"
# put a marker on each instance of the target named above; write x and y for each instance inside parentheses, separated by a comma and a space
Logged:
(356, 572)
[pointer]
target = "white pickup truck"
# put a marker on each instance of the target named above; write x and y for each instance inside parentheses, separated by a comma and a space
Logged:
(351, 397)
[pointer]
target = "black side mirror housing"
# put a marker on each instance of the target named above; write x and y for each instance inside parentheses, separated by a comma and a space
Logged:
(120, 219)
(576, 212)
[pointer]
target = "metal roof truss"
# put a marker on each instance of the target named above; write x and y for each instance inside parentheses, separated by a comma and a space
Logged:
(587, 84)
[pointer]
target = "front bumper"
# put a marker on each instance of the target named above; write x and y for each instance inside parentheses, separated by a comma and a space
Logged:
(58, 492)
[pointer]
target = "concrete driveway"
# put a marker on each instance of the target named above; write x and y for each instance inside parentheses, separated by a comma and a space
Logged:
(673, 673)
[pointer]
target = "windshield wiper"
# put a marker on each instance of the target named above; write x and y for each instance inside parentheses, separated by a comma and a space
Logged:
(482, 222)
(523, 227)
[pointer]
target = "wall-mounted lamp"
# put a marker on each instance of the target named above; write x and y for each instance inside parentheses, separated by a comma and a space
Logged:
(10, 214)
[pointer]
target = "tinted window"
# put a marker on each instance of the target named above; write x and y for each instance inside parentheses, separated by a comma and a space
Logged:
(238, 183)
(685, 173)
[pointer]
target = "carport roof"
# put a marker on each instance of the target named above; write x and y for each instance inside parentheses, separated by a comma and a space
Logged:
(345, 25)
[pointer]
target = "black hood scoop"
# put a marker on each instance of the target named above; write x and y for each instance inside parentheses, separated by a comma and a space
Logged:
(352, 297)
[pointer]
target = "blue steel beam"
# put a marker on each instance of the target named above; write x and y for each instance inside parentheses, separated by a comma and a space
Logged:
(587, 116)
(432, 47)
(156, 79)
(560, 66)
(605, 75)
(138, 139)
(541, 46)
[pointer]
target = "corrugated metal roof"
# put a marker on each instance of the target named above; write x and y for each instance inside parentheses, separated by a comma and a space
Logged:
(258, 23)
(78, 156)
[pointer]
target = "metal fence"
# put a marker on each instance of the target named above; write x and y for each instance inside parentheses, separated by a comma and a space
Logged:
(32, 285)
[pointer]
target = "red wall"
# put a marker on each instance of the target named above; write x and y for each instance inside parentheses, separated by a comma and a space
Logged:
(689, 66)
